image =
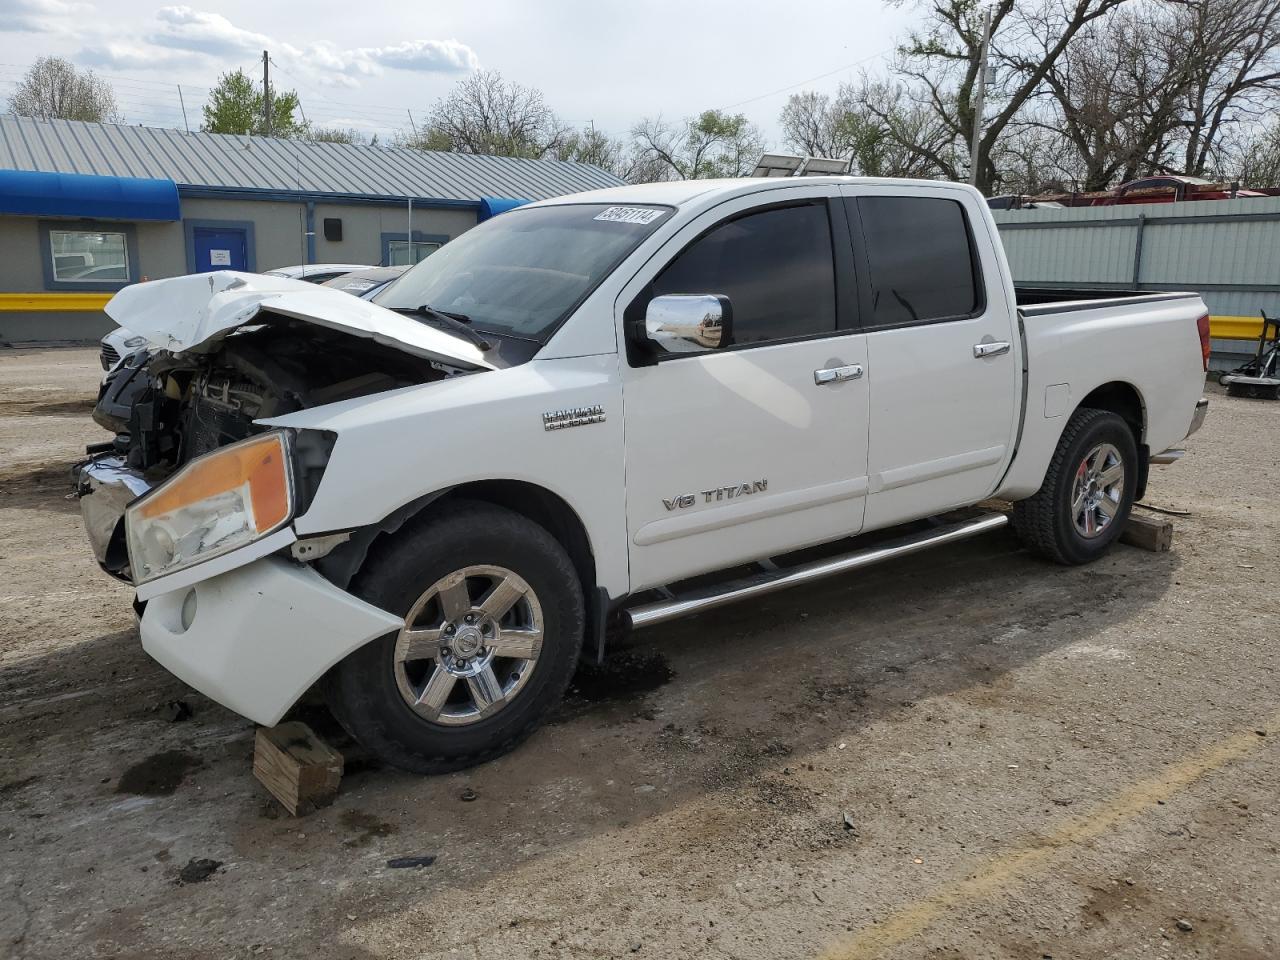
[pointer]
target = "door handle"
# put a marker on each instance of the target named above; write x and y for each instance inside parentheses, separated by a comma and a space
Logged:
(837, 374)
(991, 348)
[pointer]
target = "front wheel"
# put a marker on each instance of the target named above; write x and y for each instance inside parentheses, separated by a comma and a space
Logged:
(1087, 494)
(494, 621)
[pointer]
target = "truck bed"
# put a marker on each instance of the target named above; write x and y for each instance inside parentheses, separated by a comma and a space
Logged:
(1034, 301)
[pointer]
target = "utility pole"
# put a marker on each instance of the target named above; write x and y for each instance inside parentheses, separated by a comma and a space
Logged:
(978, 101)
(183, 103)
(266, 92)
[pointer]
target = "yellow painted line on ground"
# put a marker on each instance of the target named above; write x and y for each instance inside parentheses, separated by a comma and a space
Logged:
(53, 302)
(1017, 865)
(1235, 328)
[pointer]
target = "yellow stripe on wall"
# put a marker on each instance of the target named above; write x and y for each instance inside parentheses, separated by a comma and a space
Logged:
(53, 302)
(1235, 328)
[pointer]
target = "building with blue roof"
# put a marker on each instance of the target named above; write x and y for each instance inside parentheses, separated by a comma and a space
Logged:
(87, 208)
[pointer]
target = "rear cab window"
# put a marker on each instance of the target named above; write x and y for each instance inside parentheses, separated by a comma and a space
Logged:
(920, 258)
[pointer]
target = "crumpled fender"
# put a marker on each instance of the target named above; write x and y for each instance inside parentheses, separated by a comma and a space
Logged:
(196, 312)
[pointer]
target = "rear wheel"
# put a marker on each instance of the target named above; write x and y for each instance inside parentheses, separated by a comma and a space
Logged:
(1087, 494)
(494, 623)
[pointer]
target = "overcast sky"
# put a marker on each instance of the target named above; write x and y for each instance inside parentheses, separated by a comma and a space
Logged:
(365, 64)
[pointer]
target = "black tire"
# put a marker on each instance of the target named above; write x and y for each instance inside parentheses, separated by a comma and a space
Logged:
(362, 689)
(1044, 522)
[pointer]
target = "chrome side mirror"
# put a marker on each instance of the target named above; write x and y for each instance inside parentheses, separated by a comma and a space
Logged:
(689, 323)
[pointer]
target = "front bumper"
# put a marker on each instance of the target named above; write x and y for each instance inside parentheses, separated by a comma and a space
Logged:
(106, 486)
(255, 638)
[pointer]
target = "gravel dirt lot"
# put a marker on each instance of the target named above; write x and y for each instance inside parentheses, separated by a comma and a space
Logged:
(968, 753)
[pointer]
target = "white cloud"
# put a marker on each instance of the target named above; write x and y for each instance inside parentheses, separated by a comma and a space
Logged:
(442, 56)
(131, 56)
(197, 31)
(184, 33)
(35, 16)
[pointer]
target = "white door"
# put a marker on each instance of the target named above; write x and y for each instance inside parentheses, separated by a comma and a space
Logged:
(740, 453)
(943, 357)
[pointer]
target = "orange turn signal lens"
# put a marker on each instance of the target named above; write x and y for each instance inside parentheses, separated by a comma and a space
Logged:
(215, 504)
(261, 464)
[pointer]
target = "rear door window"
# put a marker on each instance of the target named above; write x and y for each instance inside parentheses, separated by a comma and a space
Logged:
(921, 260)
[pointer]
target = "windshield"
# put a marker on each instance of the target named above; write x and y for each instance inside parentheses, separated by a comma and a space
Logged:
(524, 271)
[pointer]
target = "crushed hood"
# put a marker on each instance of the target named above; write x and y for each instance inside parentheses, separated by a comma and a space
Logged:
(196, 312)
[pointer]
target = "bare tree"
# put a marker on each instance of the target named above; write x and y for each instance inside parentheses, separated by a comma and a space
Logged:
(1253, 160)
(712, 144)
(53, 89)
(942, 62)
(489, 115)
(597, 148)
(1162, 85)
(891, 134)
(811, 124)
(1231, 55)
(1116, 94)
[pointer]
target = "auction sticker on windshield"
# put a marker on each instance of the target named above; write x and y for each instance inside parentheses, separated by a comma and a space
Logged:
(629, 215)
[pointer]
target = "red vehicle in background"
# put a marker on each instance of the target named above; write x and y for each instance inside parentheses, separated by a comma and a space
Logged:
(1170, 188)
(1162, 188)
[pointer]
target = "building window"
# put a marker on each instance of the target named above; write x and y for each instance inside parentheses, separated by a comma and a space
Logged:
(402, 253)
(89, 256)
(402, 250)
(85, 255)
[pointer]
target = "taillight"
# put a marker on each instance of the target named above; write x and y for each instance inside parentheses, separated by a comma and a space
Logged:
(1202, 327)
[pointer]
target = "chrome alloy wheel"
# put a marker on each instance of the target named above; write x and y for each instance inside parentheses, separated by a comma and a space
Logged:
(469, 644)
(1097, 491)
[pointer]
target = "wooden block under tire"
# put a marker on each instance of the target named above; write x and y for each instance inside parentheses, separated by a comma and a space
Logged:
(300, 769)
(1148, 533)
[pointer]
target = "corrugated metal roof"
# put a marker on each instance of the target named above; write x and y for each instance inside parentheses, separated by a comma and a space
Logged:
(223, 161)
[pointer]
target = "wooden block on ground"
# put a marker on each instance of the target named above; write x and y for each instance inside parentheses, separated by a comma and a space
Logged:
(1149, 533)
(300, 769)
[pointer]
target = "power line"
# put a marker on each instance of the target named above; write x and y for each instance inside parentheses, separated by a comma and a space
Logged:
(821, 76)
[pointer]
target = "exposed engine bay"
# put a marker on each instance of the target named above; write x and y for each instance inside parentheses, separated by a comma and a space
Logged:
(167, 408)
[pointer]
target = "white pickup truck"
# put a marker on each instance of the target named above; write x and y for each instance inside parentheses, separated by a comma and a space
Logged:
(432, 503)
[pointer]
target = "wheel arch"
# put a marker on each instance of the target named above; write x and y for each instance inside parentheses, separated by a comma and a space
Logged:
(1125, 401)
(544, 507)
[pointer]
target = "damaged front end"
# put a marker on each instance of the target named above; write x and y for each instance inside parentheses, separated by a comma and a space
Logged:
(251, 352)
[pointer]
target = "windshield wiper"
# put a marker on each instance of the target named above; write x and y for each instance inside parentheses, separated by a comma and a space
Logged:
(457, 322)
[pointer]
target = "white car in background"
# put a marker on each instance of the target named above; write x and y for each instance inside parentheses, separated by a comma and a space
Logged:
(366, 283)
(119, 343)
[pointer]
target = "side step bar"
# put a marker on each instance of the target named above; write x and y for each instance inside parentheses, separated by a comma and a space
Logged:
(661, 611)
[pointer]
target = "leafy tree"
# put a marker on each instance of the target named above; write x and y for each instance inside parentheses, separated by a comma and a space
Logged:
(336, 135)
(712, 144)
(872, 122)
(597, 148)
(236, 105)
(53, 89)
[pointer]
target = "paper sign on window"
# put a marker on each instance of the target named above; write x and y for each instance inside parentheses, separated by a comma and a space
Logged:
(220, 258)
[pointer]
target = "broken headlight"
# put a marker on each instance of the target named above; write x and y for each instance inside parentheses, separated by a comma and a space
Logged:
(215, 504)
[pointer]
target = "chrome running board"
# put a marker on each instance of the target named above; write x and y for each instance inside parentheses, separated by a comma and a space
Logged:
(660, 611)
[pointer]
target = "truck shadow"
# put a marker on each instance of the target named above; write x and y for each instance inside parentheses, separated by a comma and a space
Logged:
(728, 704)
